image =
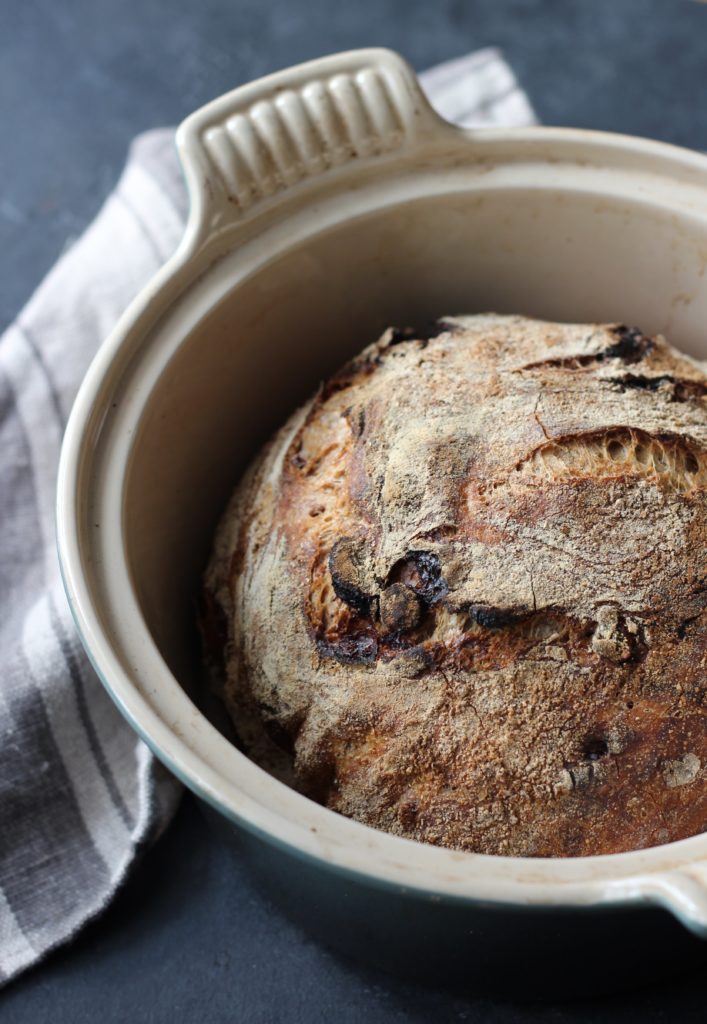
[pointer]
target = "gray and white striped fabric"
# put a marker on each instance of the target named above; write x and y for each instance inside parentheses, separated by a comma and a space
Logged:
(80, 794)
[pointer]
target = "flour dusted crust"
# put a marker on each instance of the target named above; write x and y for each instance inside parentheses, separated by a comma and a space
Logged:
(462, 595)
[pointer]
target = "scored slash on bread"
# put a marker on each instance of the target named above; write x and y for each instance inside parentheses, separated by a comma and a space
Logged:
(463, 592)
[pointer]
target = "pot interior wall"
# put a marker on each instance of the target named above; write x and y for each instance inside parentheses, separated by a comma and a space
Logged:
(268, 343)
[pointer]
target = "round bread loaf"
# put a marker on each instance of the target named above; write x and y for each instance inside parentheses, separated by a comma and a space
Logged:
(462, 595)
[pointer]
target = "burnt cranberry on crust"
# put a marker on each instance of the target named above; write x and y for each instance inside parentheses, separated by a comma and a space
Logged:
(462, 595)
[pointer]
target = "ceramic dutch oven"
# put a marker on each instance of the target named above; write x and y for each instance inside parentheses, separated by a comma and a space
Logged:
(328, 201)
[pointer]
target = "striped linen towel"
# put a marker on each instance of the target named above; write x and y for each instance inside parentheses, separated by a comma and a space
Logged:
(80, 794)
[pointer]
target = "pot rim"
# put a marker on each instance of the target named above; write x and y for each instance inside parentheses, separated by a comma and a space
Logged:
(221, 189)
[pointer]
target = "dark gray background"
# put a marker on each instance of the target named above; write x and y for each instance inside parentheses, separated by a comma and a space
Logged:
(189, 938)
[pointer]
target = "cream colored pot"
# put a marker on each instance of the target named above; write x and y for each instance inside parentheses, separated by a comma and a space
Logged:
(328, 201)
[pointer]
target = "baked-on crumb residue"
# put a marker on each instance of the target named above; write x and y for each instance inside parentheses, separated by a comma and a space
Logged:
(462, 594)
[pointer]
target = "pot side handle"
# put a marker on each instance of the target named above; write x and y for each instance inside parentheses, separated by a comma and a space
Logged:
(243, 150)
(682, 891)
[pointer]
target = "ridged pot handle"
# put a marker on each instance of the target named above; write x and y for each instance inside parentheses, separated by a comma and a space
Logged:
(283, 133)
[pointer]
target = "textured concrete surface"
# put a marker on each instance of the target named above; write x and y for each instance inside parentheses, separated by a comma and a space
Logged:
(190, 938)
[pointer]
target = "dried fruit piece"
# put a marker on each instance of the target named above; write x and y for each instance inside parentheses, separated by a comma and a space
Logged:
(631, 346)
(345, 567)
(400, 608)
(611, 638)
(422, 572)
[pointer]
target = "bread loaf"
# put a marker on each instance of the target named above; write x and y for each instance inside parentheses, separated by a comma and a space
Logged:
(462, 595)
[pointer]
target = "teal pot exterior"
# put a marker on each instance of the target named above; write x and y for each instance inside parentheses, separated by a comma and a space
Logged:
(529, 954)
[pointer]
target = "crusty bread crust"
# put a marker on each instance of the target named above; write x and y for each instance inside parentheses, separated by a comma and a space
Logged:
(464, 590)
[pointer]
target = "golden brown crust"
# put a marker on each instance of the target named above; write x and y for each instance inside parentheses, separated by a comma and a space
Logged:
(465, 590)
